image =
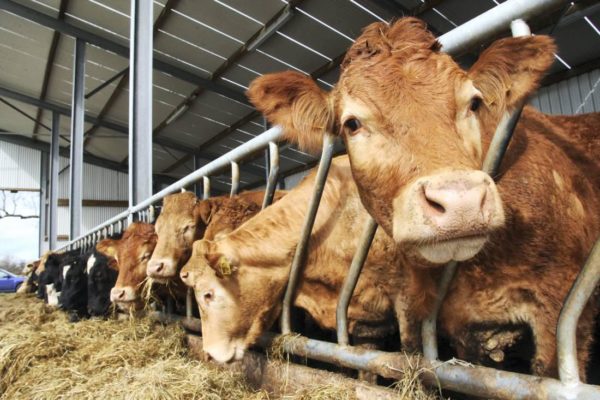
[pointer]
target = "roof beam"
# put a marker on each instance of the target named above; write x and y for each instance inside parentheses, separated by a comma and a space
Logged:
(124, 80)
(239, 53)
(49, 64)
(71, 30)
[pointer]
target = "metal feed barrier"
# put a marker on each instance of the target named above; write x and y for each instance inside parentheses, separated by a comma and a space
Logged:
(459, 377)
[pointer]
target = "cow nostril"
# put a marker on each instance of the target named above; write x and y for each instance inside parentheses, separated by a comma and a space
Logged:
(121, 294)
(431, 202)
(184, 275)
(160, 267)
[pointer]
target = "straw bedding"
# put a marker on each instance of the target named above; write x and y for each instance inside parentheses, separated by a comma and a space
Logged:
(43, 356)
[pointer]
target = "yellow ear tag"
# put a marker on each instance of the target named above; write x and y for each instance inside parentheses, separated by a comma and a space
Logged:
(224, 266)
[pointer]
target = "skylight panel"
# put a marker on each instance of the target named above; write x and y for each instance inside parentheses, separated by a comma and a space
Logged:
(562, 61)
(592, 25)
(192, 44)
(365, 9)
(109, 8)
(181, 61)
(304, 46)
(238, 12)
(207, 26)
(281, 61)
(234, 83)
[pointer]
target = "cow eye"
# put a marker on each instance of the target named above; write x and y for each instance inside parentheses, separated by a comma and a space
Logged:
(352, 124)
(475, 103)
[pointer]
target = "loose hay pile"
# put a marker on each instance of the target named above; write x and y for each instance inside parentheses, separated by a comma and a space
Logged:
(43, 356)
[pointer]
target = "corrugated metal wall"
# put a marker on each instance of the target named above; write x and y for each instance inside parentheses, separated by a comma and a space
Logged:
(572, 96)
(19, 167)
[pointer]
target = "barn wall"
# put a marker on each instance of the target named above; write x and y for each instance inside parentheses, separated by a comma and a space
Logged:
(571, 96)
(19, 167)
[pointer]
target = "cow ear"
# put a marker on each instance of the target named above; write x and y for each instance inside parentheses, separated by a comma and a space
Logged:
(223, 265)
(295, 102)
(108, 247)
(511, 69)
(204, 210)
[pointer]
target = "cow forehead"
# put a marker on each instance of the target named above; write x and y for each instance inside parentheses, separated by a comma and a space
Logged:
(90, 263)
(65, 270)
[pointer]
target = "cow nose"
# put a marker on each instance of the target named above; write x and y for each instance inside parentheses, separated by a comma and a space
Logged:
(452, 202)
(184, 275)
(117, 294)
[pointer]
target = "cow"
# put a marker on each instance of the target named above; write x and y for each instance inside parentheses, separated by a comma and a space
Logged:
(101, 274)
(185, 218)
(30, 284)
(239, 277)
(416, 128)
(131, 254)
(73, 283)
(49, 278)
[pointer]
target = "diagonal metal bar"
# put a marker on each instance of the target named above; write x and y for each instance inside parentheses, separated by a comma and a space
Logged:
(23, 113)
(49, 64)
(91, 38)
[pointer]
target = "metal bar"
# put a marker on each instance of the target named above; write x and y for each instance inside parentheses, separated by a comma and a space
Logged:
(43, 220)
(196, 165)
(188, 302)
(76, 161)
(212, 167)
(140, 101)
(106, 83)
(235, 178)
(493, 22)
(351, 279)
(460, 377)
(273, 174)
(71, 30)
(300, 254)
(206, 187)
(491, 164)
(428, 328)
(566, 332)
(23, 113)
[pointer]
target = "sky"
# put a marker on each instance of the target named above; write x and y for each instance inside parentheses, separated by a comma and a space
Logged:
(19, 237)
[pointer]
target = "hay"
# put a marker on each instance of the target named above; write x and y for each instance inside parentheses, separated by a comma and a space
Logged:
(43, 356)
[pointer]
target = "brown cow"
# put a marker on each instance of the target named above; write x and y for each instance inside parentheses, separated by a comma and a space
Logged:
(254, 262)
(185, 218)
(131, 254)
(416, 127)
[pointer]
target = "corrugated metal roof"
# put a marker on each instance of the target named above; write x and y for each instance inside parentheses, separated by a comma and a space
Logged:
(202, 37)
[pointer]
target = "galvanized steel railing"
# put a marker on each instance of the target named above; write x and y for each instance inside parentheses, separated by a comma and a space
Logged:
(473, 380)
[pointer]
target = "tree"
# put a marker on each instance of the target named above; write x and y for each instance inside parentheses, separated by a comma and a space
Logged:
(15, 205)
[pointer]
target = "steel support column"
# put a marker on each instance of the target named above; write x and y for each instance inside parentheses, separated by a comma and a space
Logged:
(77, 115)
(140, 102)
(43, 220)
(53, 195)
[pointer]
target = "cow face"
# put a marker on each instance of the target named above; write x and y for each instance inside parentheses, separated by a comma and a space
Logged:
(131, 254)
(415, 126)
(101, 274)
(237, 303)
(73, 295)
(179, 224)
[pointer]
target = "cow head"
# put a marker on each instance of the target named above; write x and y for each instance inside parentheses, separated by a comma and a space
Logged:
(237, 303)
(73, 295)
(183, 219)
(415, 127)
(131, 254)
(101, 273)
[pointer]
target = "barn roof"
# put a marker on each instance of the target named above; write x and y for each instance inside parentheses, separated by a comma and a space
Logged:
(206, 54)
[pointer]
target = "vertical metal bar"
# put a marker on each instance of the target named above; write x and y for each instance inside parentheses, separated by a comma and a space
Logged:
(235, 178)
(77, 114)
(206, 187)
(491, 164)
(188, 302)
(53, 198)
(140, 101)
(43, 219)
(566, 332)
(299, 255)
(351, 279)
(196, 165)
(273, 174)
(151, 214)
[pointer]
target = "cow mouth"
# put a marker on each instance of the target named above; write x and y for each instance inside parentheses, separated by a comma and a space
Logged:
(460, 248)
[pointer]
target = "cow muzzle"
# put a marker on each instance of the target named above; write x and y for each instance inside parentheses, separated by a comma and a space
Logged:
(224, 351)
(161, 270)
(124, 294)
(448, 216)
